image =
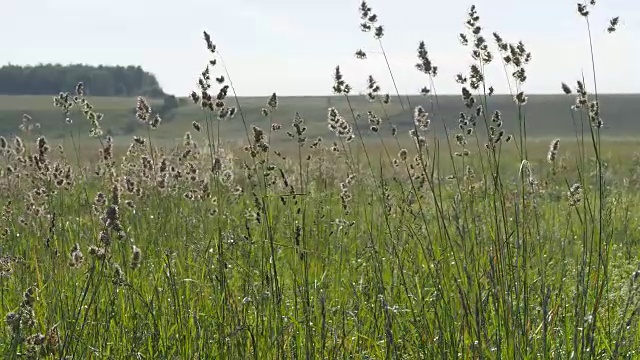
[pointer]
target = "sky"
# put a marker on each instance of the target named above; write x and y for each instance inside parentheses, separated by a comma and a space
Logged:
(291, 47)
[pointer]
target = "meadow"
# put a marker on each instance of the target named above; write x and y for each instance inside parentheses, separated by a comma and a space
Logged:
(371, 226)
(548, 116)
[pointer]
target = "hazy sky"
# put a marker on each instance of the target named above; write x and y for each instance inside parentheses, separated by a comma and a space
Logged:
(292, 46)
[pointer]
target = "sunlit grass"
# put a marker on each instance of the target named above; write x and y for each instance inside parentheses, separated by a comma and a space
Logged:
(367, 243)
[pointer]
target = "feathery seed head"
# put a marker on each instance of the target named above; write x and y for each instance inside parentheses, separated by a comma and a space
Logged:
(403, 154)
(575, 195)
(210, 45)
(520, 98)
(155, 122)
(143, 110)
(118, 275)
(553, 151)
(420, 118)
(340, 86)
(29, 297)
(98, 253)
(424, 65)
(80, 89)
(273, 102)
(613, 24)
(77, 258)
(372, 88)
(582, 10)
(136, 257)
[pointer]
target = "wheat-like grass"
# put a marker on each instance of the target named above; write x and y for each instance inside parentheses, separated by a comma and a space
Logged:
(366, 242)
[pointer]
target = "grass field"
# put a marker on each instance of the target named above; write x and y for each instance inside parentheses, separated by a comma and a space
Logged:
(509, 235)
(547, 116)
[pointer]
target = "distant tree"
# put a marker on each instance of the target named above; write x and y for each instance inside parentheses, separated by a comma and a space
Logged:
(170, 103)
(50, 79)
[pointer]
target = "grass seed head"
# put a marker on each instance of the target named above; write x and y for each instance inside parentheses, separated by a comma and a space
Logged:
(136, 257)
(420, 118)
(118, 275)
(143, 110)
(273, 102)
(553, 151)
(575, 195)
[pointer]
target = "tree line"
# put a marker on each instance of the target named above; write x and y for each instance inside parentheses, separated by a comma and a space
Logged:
(50, 79)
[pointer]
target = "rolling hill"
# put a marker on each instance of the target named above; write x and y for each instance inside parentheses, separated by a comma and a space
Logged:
(546, 115)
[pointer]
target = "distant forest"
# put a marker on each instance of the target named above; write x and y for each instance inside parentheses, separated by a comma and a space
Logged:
(50, 79)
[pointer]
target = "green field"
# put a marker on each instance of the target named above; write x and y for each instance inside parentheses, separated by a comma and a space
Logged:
(491, 237)
(547, 116)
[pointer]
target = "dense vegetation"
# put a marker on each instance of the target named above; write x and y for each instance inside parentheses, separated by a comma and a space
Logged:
(50, 79)
(372, 242)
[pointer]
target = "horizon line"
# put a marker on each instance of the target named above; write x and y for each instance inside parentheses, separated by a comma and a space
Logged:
(338, 96)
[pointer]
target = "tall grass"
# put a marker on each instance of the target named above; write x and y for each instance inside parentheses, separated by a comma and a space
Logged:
(472, 244)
